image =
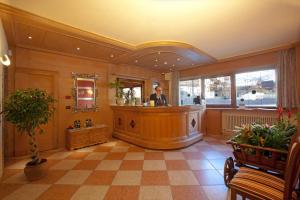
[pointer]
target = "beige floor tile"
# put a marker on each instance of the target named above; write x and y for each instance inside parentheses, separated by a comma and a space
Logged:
(29, 191)
(90, 192)
(95, 156)
(18, 165)
(60, 155)
(109, 144)
(155, 193)
(74, 177)
(190, 149)
(17, 178)
(119, 149)
(127, 178)
(86, 149)
(109, 165)
(199, 164)
(220, 191)
(134, 156)
(182, 177)
(173, 156)
(65, 165)
(154, 165)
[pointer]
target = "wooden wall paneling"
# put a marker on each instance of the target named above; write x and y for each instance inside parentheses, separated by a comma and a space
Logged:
(213, 122)
(62, 66)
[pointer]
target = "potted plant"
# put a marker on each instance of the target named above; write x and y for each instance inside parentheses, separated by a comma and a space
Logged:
(28, 109)
(119, 93)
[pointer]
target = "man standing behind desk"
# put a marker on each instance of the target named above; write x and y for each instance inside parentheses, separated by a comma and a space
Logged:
(159, 98)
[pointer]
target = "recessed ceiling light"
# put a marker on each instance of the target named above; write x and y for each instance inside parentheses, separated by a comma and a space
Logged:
(136, 61)
(29, 37)
(173, 65)
(178, 59)
(78, 48)
(112, 55)
(156, 60)
(165, 62)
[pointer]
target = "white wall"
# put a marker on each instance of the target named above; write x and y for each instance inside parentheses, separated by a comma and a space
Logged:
(3, 50)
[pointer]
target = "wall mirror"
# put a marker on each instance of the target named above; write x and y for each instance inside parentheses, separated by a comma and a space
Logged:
(84, 92)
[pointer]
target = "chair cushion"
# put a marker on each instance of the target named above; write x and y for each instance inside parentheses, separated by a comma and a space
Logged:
(258, 183)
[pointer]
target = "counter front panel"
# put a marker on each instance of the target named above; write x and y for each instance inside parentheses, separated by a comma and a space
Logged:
(158, 127)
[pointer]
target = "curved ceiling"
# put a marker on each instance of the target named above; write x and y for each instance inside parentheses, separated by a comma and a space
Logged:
(220, 28)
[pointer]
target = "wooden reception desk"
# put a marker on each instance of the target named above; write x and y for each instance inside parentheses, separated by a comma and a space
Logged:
(158, 127)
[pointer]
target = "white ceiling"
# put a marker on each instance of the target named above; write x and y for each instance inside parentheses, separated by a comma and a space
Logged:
(221, 28)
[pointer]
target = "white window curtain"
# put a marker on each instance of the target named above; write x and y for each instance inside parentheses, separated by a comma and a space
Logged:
(287, 79)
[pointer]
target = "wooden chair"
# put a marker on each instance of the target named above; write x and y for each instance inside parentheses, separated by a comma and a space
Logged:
(256, 185)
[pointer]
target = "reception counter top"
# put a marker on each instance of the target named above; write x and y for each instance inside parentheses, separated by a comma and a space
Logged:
(158, 127)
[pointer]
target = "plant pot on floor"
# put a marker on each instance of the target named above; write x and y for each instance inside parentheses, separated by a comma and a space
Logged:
(35, 172)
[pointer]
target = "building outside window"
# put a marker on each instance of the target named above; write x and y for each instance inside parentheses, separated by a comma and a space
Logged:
(188, 90)
(257, 88)
(218, 90)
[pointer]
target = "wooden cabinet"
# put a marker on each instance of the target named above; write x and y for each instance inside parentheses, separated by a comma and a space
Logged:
(78, 138)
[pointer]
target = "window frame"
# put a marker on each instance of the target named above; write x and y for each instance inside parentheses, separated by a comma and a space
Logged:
(189, 79)
(232, 75)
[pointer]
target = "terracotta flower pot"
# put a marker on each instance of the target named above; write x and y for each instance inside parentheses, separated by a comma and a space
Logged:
(35, 172)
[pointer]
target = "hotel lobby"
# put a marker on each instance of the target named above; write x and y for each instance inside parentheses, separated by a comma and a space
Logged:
(150, 100)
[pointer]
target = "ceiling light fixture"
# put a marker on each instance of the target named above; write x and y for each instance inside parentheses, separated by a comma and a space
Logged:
(178, 59)
(78, 48)
(165, 62)
(156, 60)
(136, 61)
(173, 65)
(112, 55)
(29, 37)
(5, 60)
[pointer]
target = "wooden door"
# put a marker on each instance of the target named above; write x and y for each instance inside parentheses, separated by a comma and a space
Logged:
(26, 78)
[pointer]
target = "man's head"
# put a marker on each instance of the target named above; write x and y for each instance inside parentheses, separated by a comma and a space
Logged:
(158, 90)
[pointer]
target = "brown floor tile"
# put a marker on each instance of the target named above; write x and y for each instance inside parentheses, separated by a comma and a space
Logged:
(102, 149)
(136, 149)
(209, 177)
(6, 189)
(122, 193)
(115, 156)
(9, 172)
(59, 192)
(177, 165)
(154, 156)
(77, 155)
(100, 178)
(188, 193)
(193, 155)
(87, 165)
(51, 177)
(132, 165)
(155, 178)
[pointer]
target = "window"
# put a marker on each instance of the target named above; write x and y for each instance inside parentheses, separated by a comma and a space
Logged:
(218, 90)
(189, 90)
(257, 88)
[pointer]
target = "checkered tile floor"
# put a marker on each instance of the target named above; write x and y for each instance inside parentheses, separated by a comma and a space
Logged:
(118, 170)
